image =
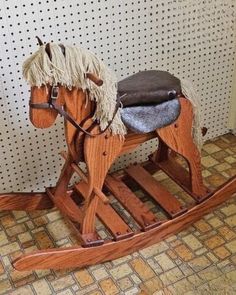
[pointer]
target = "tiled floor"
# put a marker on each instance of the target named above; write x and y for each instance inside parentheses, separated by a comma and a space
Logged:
(199, 260)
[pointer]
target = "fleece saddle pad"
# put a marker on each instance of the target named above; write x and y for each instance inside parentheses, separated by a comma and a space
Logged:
(144, 119)
(149, 100)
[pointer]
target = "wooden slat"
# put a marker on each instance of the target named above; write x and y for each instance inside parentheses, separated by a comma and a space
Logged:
(115, 224)
(149, 165)
(181, 176)
(177, 172)
(165, 199)
(67, 206)
(74, 215)
(141, 214)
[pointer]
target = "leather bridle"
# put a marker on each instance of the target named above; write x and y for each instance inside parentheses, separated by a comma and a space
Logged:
(51, 104)
(53, 96)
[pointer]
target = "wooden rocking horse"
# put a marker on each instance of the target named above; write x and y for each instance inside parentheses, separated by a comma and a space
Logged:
(170, 117)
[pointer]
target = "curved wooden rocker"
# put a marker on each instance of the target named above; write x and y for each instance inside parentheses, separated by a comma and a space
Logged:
(87, 200)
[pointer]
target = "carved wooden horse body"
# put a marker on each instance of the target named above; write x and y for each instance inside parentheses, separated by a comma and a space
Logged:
(86, 200)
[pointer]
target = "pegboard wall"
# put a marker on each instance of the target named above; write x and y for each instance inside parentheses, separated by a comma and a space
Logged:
(189, 38)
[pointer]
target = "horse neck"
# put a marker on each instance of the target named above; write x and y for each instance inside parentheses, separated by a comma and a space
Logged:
(79, 107)
(76, 103)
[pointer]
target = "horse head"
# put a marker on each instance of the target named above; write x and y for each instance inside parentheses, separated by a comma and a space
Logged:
(50, 94)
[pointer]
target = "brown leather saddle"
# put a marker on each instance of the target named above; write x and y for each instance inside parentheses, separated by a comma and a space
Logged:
(150, 100)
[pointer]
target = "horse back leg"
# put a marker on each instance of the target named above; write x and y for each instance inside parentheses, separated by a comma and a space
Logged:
(178, 137)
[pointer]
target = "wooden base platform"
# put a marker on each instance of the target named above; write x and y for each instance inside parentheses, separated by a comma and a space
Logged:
(123, 240)
(80, 256)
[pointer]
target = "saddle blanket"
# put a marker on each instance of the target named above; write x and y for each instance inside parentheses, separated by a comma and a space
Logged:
(143, 119)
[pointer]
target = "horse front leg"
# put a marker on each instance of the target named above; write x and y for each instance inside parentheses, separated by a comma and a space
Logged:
(99, 153)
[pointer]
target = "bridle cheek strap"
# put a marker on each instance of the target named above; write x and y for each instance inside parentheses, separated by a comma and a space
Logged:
(52, 105)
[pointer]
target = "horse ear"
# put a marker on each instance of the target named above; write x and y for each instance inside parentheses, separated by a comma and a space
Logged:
(40, 42)
(48, 51)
